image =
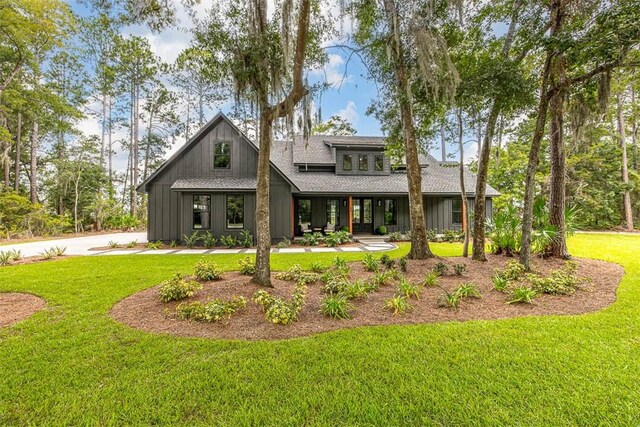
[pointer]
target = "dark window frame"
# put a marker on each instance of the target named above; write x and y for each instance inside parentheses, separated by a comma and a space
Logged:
(328, 204)
(364, 157)
(221, 155)
(394, 215)
(344, 158)
(300, 220)
(226, 212)
(375, 163)
(199, 211)
(456, 211)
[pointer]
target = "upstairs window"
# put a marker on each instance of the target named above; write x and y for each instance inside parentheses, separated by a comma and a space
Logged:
(235, 211)
(347, 162)
(201, 211)
(390, 212)
(363, 162)
(222, 155)
(456, 210)
(378, 163)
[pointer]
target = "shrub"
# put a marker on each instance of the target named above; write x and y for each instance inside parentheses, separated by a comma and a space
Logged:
(355, 290)
(431, 234)
(395, 236)
(382, 278)
(459, 269)
(5, 258)
(561, 282)
(132, 244)
(468, 290)
(207, 270)
(371, 286)
(311, 239)
(448, 300)
(407, 289)
(500, 284)
(229, 241)
(343, 236)
(336, 307)
(370, 262)
(209, 240)
(387, 261)
(213, 311)
(345, 229)
(331, 239)
(522, 294)
(431, 279)
(340, 262)
(15, 255)
(513, 270)
(176, 289)
(440, 269)
(382, 230)
(154, 245)
(246, 239)
(307, 277)
(397, 305)
(247, 266)
(335, 285)
(279, 311)
(291, 274)
(284, 243)
(402, 262)
(191, 240)
(453, 235)
(316, 267)
(113, 244)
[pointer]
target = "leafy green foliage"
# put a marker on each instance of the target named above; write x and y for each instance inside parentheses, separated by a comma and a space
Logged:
(370, 262)
(459, 269)
(408, 290)
(229, 241)
(522, 295)
(340, 263)
(113, 244)
(247, 266)
(336, 307)
(246, 239)
(387, 261)
(176, 289)
(5, 258)
(316, 267)
(291, 274)
(398, 305)
(440, 268)
(212, 311)
(448, 300)
(132, 244)
(561, 282)
(207, 270)
(430, 279)
(311, 239)
(208, 240)
(468, 290)
(279, 311)
(500, 283)
(192, 239)
(284, 243)
(154, 245)
(403, 262)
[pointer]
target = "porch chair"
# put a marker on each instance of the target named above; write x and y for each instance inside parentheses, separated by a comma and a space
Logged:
(305, 227)
(329, 228)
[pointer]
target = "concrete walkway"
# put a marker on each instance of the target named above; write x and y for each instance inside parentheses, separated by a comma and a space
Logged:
(81, 246)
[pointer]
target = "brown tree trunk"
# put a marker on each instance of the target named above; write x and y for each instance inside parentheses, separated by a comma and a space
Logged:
(16, 183)
(419, 244)
(534, 152)
(4, 155)
(134, 164)
(628, 213)
(262, 275)
(443, 143)
(463, 191)
(33, 189)
(634, 131)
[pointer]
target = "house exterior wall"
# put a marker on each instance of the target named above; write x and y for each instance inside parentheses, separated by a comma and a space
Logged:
(355, 169)
(170, 214)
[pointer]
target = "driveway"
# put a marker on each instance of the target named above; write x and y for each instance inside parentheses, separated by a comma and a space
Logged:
(81, 246)
(76, 245)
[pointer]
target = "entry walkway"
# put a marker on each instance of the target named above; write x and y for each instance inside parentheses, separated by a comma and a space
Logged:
(82, 246)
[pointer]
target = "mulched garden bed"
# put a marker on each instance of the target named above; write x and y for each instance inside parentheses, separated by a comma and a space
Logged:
(15, 307)
(144, 310)
(143, 246)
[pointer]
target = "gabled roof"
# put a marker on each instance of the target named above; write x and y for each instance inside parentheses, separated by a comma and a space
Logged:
(196, 137)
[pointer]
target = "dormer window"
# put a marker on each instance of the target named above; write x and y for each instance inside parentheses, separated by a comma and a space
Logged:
(378, 163)
(222, 155)
(347, 162)
(363, 162)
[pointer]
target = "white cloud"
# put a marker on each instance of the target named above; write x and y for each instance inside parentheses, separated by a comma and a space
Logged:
(349, 113)
(333, 72)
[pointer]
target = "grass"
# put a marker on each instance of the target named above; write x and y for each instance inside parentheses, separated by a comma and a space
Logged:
(73, 365)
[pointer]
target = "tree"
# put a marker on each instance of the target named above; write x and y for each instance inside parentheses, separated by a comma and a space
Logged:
(336, 125)
(265, 59)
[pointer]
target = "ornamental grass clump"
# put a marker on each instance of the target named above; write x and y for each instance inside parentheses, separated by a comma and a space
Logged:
(468, 290)
(370, 262)
(408, 290)
(336, 307)
(207, 270)
(522, 295)
(176, 288)
(398, 305)
(430, 279)
(212, 311)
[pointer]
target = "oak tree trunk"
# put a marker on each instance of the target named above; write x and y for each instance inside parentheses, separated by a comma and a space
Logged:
(16, 183)
(628, 213)
(33, 190)
(262, 275)
(463, 191)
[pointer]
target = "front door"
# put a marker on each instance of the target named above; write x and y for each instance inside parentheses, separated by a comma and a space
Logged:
(362, 215)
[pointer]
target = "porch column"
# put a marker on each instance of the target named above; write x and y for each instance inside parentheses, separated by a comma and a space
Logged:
(293, 217)
(350, 215)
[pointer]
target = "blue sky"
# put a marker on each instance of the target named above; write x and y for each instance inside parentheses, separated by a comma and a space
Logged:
(349, 96)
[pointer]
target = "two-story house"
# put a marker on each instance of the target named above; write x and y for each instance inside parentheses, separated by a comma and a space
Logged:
(325, 182)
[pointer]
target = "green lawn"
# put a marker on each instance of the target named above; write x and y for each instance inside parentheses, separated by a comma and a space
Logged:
(73, 365)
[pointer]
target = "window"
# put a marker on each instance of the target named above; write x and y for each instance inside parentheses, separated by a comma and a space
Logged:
(363, 162)
(333, 211)
(235, 211)
(378, 163)
(390, 212)
(304, 211)
(347, 162)
(201, 211)
(222, 155)
(456, 210)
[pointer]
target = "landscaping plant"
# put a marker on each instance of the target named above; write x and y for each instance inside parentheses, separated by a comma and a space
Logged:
(191, 240)
(336, 307)
(209, 240)
(229, 241)
(459, 269)
(398, 305)
(440, 268)
(246, 239)
(247, 266)
(207, 270)
(402, 262)
(370, 262)
(522, 294)
(468, 290)
(279, 311)
(430, 279)
(176, 289)
(407, 289)
(212, 311)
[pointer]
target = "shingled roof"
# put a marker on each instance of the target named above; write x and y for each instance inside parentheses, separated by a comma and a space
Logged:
(436, 179)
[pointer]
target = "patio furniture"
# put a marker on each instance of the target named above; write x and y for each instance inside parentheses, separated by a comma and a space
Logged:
(305, 227)
(329, 228)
